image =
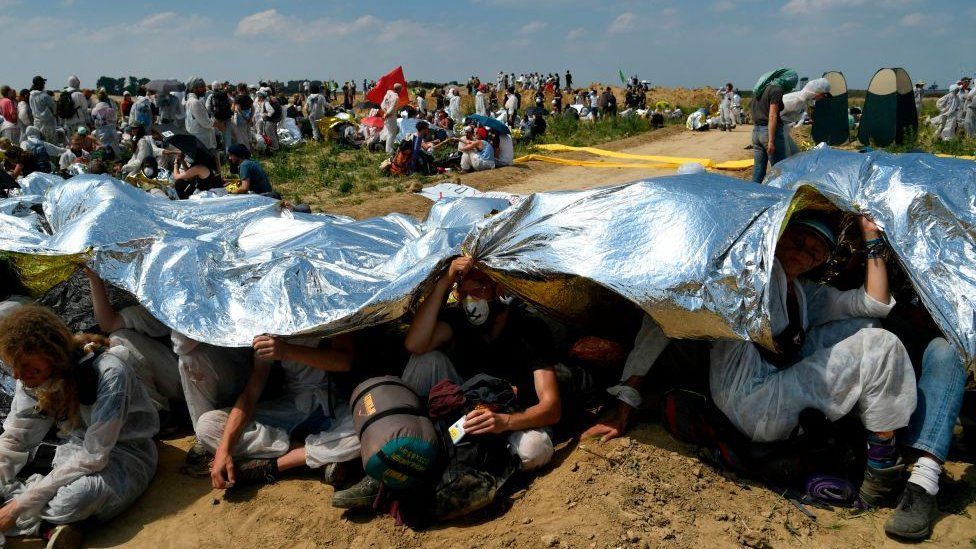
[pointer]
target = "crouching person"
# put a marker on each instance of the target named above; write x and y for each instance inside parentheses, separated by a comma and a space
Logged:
(258, 435)
(106, 422)
(480, 335)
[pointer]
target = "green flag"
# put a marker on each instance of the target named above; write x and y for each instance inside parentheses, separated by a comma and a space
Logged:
(623, 79)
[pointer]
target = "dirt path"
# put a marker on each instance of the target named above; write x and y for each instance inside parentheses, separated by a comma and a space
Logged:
(645, 490)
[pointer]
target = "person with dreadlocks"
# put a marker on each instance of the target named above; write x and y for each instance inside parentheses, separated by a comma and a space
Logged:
(106, 456)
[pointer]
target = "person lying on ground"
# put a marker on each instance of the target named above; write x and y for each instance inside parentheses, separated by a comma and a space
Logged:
(476, 153)
(251, 174)
(258, 435)
(107, 456)
(480, 334)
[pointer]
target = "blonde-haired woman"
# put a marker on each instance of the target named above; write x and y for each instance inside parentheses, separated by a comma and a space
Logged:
(105, 456)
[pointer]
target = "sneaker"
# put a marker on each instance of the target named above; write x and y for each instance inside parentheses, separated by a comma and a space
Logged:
(255, 471)
(358, 496)
(64, 536)
(881, 485)
(340, 475)
(913, 517)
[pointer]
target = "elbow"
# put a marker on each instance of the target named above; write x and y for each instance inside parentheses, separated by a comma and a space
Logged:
(414, 347)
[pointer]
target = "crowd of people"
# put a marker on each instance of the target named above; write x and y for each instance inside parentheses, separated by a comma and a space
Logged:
(284, 403)
(957, 110)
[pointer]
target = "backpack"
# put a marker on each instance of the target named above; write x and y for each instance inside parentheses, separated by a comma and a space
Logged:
(221, 106)
(143, 114)
(276, 110)
(39, 150)
(65, 107)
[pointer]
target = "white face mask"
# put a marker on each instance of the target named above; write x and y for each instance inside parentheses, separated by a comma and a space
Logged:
(149, 172)
(476, 310)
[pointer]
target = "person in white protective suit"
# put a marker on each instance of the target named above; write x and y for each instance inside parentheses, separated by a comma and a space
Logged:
(727, 117)
(454, 106)
(81, 115)
(919, 94)
(969, 118)
(948, 105)
(480, 102)
(106, 456)
(197, 120)
(42, 108)
(315, 105)
(795, 106)
(698, 120)
(252, 441)
(388, 111)
(139, 333)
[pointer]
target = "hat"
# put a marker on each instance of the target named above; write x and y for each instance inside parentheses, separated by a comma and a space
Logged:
(82, 130)
(239, 150)
(39, 80)
(820, 226)
(482, 133)
(126, 92)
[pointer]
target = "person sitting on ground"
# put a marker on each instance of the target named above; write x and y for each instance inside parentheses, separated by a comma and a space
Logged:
(74, 154)
(251, 174)
(143, 148)
(88, 143)
(480, 334)
(19, 163)
(258, 434)
(533, 126)
(42, 150)
(202, 175)
(476, 153)
(106, 457)
(505, 149)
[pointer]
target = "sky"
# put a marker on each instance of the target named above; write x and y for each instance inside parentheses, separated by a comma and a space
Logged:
(669, 42)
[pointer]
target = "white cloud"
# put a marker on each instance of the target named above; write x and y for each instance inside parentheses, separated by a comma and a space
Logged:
(623, 23)
(575, 34)
(723, 5)
(805, 7)
(263, 22)
(533, 27)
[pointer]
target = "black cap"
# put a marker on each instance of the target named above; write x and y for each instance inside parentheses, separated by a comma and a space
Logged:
(39, 80)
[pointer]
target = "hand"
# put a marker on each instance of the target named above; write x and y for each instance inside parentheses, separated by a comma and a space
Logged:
(222, 470)
(460, 267)
(771, 147)
(868, 227)
(270, 348)
(8, 515)
(606, 430)
(485, 421)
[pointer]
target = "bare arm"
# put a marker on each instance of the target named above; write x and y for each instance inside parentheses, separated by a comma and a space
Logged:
(876, 275)
(426, 332)
(773, 125)
(337, 358)
(109, 320)
(546, 412)
(222, 471)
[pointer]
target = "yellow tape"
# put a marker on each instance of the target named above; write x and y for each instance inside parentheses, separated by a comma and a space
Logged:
(955, 156)
(650, 161)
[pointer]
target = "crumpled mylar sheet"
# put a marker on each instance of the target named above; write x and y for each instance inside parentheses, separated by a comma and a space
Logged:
(694, 251)
(223, 270)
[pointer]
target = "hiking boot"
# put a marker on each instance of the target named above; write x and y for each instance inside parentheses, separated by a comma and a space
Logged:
(255, 471)
(913, 517)
(359, 496)
(198, 453)
(64, 536)
(881, 485)
(340, 475)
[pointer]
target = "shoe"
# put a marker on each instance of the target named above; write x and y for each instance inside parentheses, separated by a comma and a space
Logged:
(64, 536)
(880, 485)
(198, 453)
(358, 496)
(913, 517)
(340, 475)
(255, 471)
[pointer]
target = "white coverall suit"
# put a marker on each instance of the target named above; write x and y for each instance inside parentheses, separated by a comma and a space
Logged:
(101, 466)
(389, 107)
(945, 123)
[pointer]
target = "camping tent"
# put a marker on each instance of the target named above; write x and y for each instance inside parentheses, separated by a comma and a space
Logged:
(830, 113)
(889, 108)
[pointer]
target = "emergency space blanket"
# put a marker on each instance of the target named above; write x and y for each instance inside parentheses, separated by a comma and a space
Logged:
(694, 251)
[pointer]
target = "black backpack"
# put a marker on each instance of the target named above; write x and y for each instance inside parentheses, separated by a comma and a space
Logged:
(221, 106)
(66, 107)
(39, 150)
(276, 110)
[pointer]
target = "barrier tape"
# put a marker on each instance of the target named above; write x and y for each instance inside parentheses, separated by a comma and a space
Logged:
(649, 161)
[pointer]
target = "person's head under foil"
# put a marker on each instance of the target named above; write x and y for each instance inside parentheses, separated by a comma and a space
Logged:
(807, 243)
(479, 295)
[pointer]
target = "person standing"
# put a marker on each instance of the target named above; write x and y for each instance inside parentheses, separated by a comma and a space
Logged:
(388, 110)
(768, 139)
(42, 108)
(919, 93)
(198, 122)
(8, 110)
(24, 118)
(454, 106)
(480, 106)
(79, 107)
(315, 109)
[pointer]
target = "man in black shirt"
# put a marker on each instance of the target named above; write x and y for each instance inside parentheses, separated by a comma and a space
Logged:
(765, 117)
(483, 335)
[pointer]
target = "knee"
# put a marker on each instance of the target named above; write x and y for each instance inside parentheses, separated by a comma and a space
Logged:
(73, 502)
(431, 359)
(534, 448)
(210, 427)
(942, 355)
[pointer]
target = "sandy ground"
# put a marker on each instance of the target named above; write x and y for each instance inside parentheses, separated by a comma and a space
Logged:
(645, 490)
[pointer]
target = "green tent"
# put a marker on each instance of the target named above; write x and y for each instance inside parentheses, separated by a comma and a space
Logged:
(830, 113)
(889, 108)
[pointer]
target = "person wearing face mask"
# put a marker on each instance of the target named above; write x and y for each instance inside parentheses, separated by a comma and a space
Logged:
(143, 148)
(482, 334)
(74, 153)
(106, 457)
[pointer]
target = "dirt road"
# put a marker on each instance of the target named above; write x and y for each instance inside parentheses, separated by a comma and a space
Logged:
(645, 490)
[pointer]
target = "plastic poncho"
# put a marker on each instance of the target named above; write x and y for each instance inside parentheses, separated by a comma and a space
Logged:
(969, 118)
(795, 106)
(112, 444)
(785, 78)
(945, 122)
(42, 109)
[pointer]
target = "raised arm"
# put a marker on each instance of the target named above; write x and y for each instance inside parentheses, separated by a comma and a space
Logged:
(426, 332)
(109, 320)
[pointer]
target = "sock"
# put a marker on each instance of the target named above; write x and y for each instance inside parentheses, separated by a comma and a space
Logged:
(882, 451)
(926, 474)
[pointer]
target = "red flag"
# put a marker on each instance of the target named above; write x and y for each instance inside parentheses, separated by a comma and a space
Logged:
(386, 83)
